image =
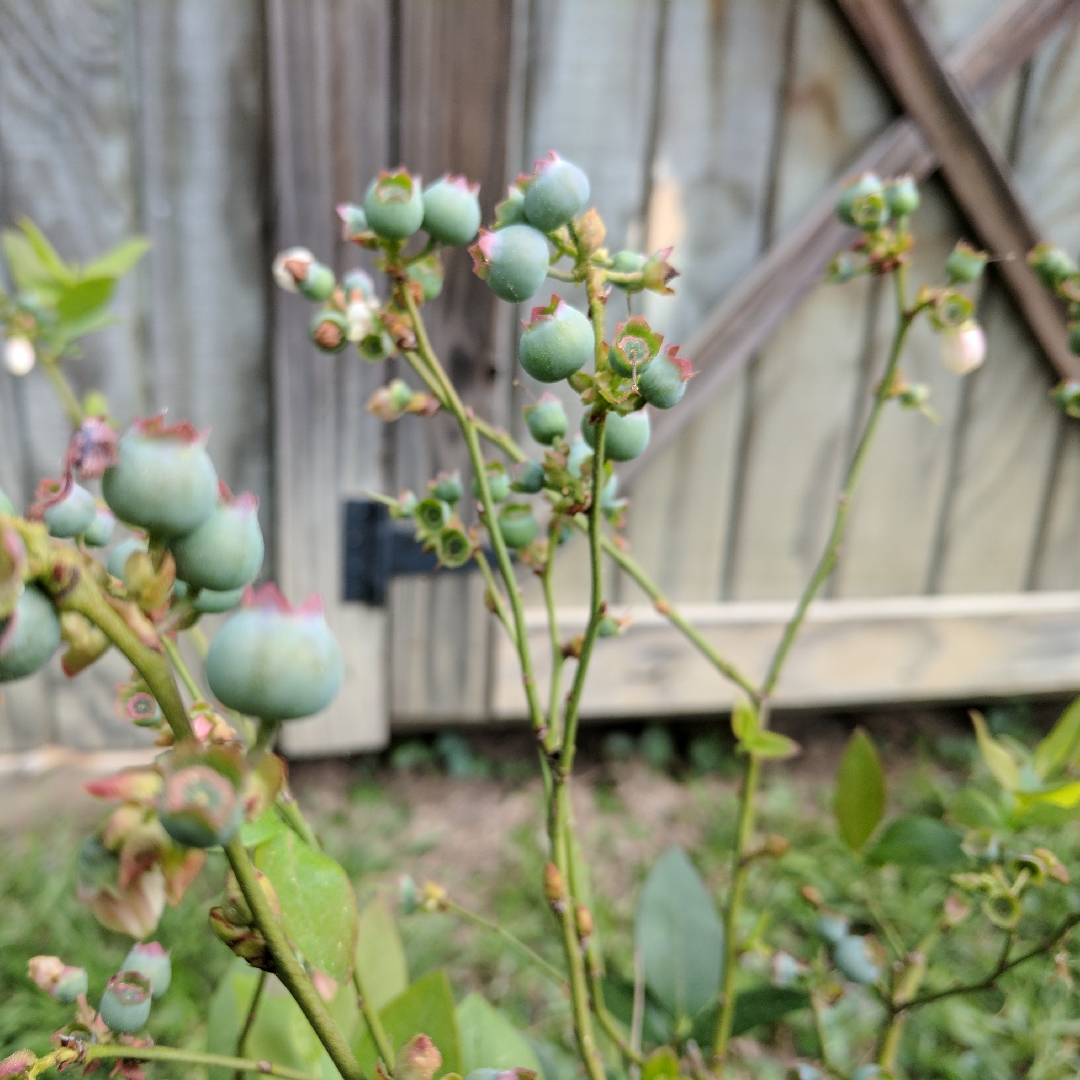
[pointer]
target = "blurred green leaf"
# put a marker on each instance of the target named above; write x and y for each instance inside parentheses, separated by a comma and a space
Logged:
(1059, 747)
(119, 260)
(977, 810)
(765, 1005)
(82, 299)
(661, 1064)
(998, 760)
(1064, 797)
(380, 956)
(679, 934)
(28, 272)
(262, 829)
(47, 254)
(770, 745)
(318, 907)
(88, 324)
(427, 1007)
(744, 719)
(917, 841)
(490, 1041)
(859, 800)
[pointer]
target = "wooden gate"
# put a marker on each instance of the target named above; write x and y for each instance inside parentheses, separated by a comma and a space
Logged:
(225, 131)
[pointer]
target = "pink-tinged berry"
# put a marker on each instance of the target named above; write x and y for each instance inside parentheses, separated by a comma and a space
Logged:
(164, 481)
(329, 331)
(274, 661)
(136, 704)
(29, 636)
(125, 1005)
(546, 420)
(556, 342)
(199, 804)
(513, 261)
(625, 437)
(556, 191)
(635, 347)
(99, 532)
(150, 959)
(297, 270)
(394, 205)
(67, 508)
(418, 1059)
(963, 348)
(226, 551)
(518, 525)
(353, 221)
(452, 210)
(123, 551)
(663, 383)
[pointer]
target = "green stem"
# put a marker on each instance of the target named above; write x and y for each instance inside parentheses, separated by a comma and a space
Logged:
(287, 807)
(496, 597)
(177, 661)
(249, 1020)
(554, 733)
(374, 1022)
(500, 438)
(516, 943)
(110, 1052)
(51, 366)
(564, 275)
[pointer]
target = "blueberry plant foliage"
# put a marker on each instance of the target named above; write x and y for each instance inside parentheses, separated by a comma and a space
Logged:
(288, 912)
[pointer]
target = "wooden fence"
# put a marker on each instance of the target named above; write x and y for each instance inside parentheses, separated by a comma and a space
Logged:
(224, 131)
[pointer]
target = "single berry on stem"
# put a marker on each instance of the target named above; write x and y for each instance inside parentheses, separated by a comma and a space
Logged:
(394, 204)
(513, 261)
(556, 191)
(226, 551)
(451, 210)
(556, 341)
(624, 436)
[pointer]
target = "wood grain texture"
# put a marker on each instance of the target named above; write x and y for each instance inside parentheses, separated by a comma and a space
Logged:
(851, 653)
(328, 79)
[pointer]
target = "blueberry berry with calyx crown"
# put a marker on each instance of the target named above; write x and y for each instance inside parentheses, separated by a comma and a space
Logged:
(663, 383)
(226, 551)
(99, 532)
(447, 486)
(518, 525)
(580, 451)
(125, 1005)
(150, 959)
(556, 191)
(67, 508)
(513, 261)
(498, 482)
(451, 210)
(199, 803)
(965, 263)
(863, 202)
(1051, 264)
(556, 341)
(902, 196)
(546, 420)
(394, 204)
(297, 270)
(120, 554)
(329, 331)
(164, 480)
(431, 515)
(530, 477)
(453, 546)
(213, 602)
(634, 347)
(29, 636)
(428, 274)
(273, 660)
(624, 436)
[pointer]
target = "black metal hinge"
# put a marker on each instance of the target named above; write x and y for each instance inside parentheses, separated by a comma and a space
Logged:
(378, 548)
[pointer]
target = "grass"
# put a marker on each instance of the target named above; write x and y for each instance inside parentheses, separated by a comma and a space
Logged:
(392, 821)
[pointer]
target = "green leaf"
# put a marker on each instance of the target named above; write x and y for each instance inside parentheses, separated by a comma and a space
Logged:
(426, 1007)
(770, 745)
(28, 272)
(79, 301)
(976, 810)
(661, 1064)
(679, 935)
(917, 841)
(101, 319)
(1060, 745)
(380, 956)
(1065, 797)
(765, 1005)
(263, 828)
(47, 255)
(997, 759)
(318, 907)
(490, 1041)
(744, 719)
(118, 261)
(859, 801)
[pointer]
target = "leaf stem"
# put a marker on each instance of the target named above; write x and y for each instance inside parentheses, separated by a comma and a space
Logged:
(374, 1022)
(249, 1020)
(51, 366)
(554, 733)
(172, 651)
(112, 1051)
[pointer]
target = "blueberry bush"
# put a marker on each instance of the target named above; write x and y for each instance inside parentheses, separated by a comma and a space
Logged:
(319, 987)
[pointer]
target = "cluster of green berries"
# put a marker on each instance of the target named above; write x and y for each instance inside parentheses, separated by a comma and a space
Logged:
(1058, 272)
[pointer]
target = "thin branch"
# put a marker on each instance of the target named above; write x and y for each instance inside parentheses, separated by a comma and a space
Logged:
(249, 1020)
(374, 1022)
(112, 1051)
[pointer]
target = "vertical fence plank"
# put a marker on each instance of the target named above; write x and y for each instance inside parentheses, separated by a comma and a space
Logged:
(328, 83)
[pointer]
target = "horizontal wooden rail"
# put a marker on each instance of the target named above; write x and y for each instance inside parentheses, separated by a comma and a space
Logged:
(850, 653)
(746, 318)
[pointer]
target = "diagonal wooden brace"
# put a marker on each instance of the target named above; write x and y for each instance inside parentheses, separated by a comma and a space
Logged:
(745, 319)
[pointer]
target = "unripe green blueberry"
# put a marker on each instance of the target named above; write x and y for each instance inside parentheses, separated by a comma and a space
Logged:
(451, 210)
(624, 437)
(447, 486)
(546, 420)
(319, 284)
(530, 477)
(608, 627)
(556, 342)
(453, 546)
(432, 515)
(628, 262)
(7, 506)
(125, 1005)
(99, 532)
(1051, 264)
(274, 661)
(634, 347)
(580, 452)
(498, 482)
(29, 636)
(556, 192)
(226, 551)
(518, 525)
(212, 602)
(72, 513)
(297, 270)
(329, 331)
(428, 274)
(663, 382)
(964, 263)
(902, 196)
(150, 959)
(867, 186)
(71, 983)
(511, 211)
(854, 958)
(394, 205)
(120, 554)
(164, 480)
(832, 927)
(353, 222)
(513, 261)
(199, 804)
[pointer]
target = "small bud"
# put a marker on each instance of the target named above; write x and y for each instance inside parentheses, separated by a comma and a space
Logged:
(902, 195)
(590, 230)
(418, 1059)
(963, 349)
(125, 1005)
(18, 1063)
(447, 486)
(965, 263)
(842, 268)
(583, 921)
(775, 845)
(433, 897)
(1051, 264)
(955, 911)
(657, 272)
(246, 943)
(1053, 865)
(408, 895)
(19, 356)
(297, 270)
(914, 396)
(353, 221)
(554, 890)
(609, 627)
(812, 896)
(329, 331)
